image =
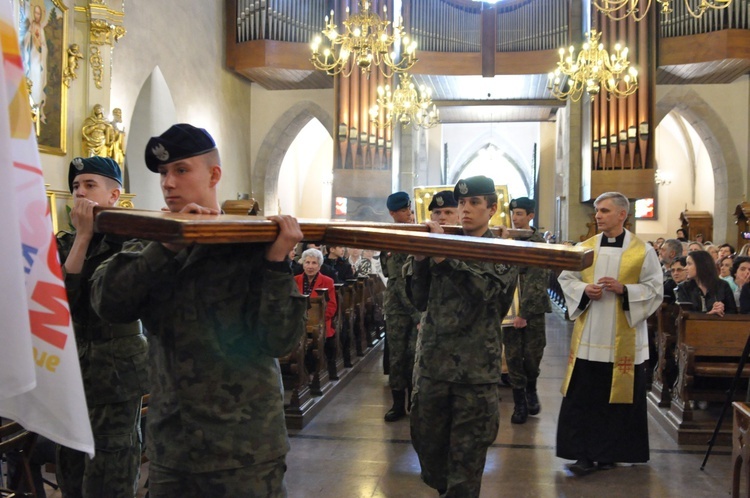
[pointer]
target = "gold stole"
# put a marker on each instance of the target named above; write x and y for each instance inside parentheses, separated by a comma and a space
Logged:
(623, 373)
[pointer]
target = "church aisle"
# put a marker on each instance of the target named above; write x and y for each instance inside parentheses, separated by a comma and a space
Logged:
(348, 450)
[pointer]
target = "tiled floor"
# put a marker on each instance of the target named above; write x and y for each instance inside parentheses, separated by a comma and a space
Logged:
(348, 451)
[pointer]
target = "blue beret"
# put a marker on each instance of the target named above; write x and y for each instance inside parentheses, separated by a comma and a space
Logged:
(180, 141)
(523, 203)
(94, 165)
(443, 199)
(475, 185)
(398, 200)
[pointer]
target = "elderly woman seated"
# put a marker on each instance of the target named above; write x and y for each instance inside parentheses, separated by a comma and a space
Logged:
(704, 289)
(311, 279)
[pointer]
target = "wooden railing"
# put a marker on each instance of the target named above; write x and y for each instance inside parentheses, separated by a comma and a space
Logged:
(681, 23)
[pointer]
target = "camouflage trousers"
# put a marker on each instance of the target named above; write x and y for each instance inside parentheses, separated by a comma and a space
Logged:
(452, 426)
(114, 470)
(263, 480)
(401, 334)
(523, 351)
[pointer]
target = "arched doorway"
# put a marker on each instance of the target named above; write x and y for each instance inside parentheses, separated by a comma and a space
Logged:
(274, 148)
(306, 175)
(711, 130)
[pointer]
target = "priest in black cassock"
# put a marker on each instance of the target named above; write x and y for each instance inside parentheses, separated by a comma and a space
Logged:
(603, 416)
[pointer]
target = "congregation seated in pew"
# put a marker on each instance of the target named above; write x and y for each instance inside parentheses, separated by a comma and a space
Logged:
(705, 291)
(310, 280)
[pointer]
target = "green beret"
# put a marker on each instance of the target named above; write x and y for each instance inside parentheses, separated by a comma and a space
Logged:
(94, 165)
(398, 200)
(523, 203)
(473, 186)
(443, 199)
(180, 141)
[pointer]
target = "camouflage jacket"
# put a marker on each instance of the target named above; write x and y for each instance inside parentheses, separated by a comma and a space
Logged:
(533, 282)
(396, 301)
(217, 319)
(465, 303)
(113, 357)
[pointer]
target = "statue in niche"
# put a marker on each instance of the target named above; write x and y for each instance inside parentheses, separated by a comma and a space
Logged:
(74, 55)
(117, 144)
(97, 134)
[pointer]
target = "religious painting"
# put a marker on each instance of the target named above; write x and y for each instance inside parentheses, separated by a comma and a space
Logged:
(42, 35)
(423, 196)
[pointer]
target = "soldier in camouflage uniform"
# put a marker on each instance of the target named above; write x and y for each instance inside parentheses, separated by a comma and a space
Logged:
(218, 316)
(525, 341)
(443, 208)
(401, 316)
(455, 413)
(113, 357)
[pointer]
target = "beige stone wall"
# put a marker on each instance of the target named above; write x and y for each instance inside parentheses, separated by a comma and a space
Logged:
(185, 39)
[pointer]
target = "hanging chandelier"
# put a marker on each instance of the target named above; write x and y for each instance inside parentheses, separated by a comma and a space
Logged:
(367, 42)
(406, 104)
(637, 9)
(592, 71)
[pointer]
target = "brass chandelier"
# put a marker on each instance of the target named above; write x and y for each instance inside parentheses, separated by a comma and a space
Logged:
(367, 42)
(592, 71)
(637, 9)
(406, 104)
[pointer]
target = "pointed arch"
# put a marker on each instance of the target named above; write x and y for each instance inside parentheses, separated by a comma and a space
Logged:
(153, 113)
(720, 148)
(277, 142)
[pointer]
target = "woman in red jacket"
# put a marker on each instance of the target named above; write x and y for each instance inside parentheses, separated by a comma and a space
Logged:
(308, 281)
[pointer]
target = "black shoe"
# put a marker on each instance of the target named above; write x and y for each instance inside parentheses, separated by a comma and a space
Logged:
(393, 415)
(582, 467)
(532, 399)
(606, 465)
(398, 410)
(520, 411)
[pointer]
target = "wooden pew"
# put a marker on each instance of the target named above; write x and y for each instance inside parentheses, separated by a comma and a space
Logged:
(355, 319)
(362, 320)
(343, 329)
(665, 363)
(316, 335)
(297, 395)
(13, 437)
(741, 449)
(708, 352)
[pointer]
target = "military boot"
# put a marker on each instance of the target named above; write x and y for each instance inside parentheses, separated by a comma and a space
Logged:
(532, 400)
(398, 410)
(520, 410)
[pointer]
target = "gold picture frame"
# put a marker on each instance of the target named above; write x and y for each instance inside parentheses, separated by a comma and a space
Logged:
(423, 196)
(43, 38)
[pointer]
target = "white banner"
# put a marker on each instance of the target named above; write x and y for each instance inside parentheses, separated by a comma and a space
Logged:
(38, 329)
